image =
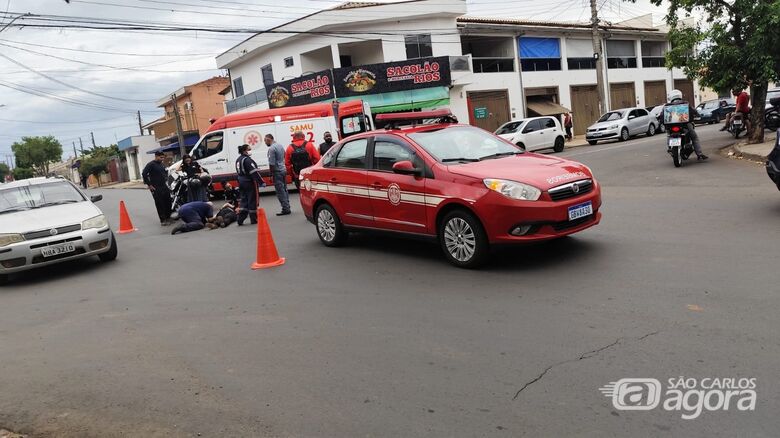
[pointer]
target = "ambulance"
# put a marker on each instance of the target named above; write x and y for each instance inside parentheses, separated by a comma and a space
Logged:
(217, 150)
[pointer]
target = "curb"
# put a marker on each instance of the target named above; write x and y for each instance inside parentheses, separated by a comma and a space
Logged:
(735, 151)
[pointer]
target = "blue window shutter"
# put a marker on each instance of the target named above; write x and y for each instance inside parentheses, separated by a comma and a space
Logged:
(531, 47)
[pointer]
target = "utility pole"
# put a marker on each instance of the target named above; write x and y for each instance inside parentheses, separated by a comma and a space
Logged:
(92, 134)
(182, 151)
(597, 53)
(81, 146)
(75, 155)
(140, 125)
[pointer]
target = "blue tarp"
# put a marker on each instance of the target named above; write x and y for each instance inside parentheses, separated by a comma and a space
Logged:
(531, 47)
(189, 141)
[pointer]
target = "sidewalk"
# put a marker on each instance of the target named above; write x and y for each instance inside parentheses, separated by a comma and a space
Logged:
(754, 152)
(124, 185)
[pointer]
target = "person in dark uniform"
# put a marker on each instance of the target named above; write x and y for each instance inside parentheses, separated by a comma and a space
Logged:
(248, 181)
(155, 175)
(194, 215)
(327, 144)
(196, 180)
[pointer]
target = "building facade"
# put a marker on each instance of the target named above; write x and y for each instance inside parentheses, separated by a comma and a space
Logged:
(137, 150)
(500, 69)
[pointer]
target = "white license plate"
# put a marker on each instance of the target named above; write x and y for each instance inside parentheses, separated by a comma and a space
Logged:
(675, 141)
(580, 210)
(737, 122)
(55, 250)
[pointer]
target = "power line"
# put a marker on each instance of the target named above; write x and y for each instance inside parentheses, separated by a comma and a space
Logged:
(167, 55)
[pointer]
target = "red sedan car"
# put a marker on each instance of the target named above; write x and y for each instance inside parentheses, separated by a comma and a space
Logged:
(459, 184)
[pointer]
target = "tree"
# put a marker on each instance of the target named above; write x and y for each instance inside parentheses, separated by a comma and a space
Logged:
(37, 152)
(735, 46)
(4, 170)
(23, 173)
(97, 161)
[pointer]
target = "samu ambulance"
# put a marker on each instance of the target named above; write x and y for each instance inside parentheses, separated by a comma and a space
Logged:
(217, 150)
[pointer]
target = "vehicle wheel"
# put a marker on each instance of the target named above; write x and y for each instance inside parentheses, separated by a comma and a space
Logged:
(592, 142)
(329, 226)
(111, 254)
(463, 240)
(624, 134)
(559, 142)
(651, 130)
(661, 128)
(3, 279)
(676, 157)
(520, 145)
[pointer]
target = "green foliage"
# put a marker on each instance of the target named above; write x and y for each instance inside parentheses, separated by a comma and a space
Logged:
(23, 173)
(37, 152)
(4, 170)
(735, 45)
(94, 164)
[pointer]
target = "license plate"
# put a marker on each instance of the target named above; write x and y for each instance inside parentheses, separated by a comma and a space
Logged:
(675, 141)
(580, 210)
(737, 122)
(55, 250)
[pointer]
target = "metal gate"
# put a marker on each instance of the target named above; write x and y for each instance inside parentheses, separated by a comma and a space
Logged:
(488, 109)
(622, 95)
(686, 86)
(655, 93)
(584, 106)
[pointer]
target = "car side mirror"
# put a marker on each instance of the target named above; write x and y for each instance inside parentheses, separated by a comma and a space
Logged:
(96, 198)
(406, 168)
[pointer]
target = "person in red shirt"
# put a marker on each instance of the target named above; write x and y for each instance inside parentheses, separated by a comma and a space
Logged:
(743, 108)
(300, 155)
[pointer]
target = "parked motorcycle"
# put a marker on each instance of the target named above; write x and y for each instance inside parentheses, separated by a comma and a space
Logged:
(180, 185)
(678, 143)
(737, 125)
(773, 163)
(772, 115)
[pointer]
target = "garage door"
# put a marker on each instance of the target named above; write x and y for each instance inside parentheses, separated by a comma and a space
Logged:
(655, 93)
(622, 95)
(585, 107)
(686, 87)
(488, 109)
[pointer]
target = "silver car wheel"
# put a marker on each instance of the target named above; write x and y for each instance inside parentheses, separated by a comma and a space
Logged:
(326, 225)
(460, 240)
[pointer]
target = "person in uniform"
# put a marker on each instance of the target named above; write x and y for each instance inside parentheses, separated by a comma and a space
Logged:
(194, 216)
(248, 181)
(155, 176)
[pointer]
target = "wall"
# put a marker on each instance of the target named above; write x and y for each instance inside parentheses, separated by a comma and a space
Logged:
(207, 102)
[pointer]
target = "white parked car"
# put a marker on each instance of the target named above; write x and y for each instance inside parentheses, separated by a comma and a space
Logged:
(534, 133)
(49, 220)
(622, 124)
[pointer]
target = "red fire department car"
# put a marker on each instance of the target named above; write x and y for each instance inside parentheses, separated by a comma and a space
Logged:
(425, 174)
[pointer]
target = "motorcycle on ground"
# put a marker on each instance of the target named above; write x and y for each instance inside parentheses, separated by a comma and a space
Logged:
(773, 163)
(179, 186)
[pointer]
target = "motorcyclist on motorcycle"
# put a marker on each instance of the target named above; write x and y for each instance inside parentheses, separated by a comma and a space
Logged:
(676, 96)
(196, 180)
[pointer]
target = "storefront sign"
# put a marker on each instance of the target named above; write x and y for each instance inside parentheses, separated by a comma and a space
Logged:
(480, 113)
(392, 76)
(311, 88)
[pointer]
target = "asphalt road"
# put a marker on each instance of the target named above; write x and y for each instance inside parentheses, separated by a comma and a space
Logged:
(179, 337)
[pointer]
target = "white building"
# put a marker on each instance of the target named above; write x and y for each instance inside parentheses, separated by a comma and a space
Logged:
(136, 149)
(487, 86)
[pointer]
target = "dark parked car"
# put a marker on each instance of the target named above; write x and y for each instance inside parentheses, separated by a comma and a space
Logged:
(713, 111)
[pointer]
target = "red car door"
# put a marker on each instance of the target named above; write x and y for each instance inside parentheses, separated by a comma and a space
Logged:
(398, 201)
(346, 183)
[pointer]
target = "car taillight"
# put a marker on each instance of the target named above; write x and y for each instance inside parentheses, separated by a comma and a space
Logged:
(675, 129)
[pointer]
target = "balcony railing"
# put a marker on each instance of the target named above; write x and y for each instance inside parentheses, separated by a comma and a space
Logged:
(167, 127)
(493, 65)
(653, 61)
(246, 100)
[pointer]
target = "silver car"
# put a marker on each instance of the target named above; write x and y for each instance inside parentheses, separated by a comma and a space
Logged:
(49, 220)
(622, 124)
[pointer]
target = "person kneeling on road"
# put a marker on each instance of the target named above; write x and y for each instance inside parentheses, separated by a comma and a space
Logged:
(194, 215)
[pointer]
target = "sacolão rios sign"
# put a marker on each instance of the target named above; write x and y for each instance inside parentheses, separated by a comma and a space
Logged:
(311, 88)
(392, 76)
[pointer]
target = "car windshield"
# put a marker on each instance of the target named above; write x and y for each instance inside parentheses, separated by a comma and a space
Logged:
(614, 115)
(463, 144)
(37, 196)
(509, 128)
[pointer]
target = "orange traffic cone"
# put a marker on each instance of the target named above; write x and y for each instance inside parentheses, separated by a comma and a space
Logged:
(267, 256)
(125, 224)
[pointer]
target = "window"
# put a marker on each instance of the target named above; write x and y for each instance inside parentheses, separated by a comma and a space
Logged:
(238, 87)
(386, 154)
(208, 146)
(459, 144)
(621, 54)
(418, 46)
(38, 195)
(288, 62)
(489, 54)
(353, 124)
(533, 126)
(540, 54)
(579, 54)
(549, 123)
(345, 60)
(268, 75)
(653, 54)
(509, 128)
(641, 113)
(353, 155)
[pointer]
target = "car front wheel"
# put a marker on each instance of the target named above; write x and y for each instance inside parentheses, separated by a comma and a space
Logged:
(651, 130)
(111, 254)
(592, 142)
(624, 134)
(329, 227)
(559, 142)
(463, 240)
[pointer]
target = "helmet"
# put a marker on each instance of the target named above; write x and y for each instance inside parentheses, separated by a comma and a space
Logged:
(674, 95)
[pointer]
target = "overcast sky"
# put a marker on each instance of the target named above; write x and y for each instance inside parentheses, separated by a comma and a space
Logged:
(156, 64)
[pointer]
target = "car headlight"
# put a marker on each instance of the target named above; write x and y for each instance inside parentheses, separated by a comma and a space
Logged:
(513, 189)
(614, 127)
(95, 222)
(7, 239)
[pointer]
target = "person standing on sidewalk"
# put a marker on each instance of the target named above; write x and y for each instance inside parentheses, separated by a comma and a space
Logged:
(278, 173)
(567, 125)
(155, 175)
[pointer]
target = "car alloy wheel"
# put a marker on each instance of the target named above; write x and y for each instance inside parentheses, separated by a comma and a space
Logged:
(462, 239)
(459, 239)
(624, 134)
(329, 227)
(651, 130)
